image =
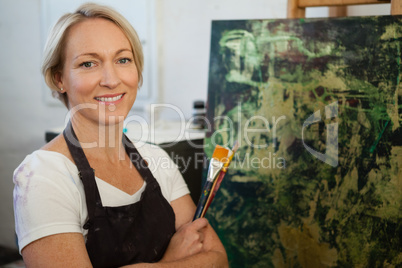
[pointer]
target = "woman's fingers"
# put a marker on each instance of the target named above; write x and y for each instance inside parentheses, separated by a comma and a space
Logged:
(199, 223)
(196, 225)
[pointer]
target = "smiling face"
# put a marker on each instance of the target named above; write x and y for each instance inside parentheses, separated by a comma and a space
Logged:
(99, 75)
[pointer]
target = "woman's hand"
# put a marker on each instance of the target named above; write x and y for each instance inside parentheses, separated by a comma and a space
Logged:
(195, 243)
(187, 241)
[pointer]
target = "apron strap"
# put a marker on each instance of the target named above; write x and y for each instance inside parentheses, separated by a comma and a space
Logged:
(140, 164)
(85, 172)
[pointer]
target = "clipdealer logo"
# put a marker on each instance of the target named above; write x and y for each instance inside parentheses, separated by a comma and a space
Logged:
(331, 151)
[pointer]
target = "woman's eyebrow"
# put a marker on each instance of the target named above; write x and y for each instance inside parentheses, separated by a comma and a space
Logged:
(96, 55)
(87, 54)
(122, 50)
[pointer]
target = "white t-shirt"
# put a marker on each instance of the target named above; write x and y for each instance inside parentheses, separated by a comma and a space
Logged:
(49, 196)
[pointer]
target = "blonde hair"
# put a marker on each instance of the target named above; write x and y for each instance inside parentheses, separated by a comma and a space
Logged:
(53, 59)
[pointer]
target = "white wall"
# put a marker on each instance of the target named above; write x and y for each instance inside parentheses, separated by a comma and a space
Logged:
(183, 33)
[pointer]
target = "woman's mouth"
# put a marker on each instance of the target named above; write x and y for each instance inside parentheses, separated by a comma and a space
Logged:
(110, 99)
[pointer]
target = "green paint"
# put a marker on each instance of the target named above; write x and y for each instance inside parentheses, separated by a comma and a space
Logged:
(378, 139)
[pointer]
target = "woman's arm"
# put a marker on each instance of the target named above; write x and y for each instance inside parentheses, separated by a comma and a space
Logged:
(191, 236)
(60, 250)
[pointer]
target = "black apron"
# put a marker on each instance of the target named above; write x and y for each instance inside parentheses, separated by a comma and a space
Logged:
(135, 233)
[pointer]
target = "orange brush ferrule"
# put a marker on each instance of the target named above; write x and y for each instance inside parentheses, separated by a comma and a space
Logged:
(229, 159)
(218, 181)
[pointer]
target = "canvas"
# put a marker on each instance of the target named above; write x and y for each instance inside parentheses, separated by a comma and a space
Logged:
(316, 105)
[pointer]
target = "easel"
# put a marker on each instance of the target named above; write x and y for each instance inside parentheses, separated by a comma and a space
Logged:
(337, 8)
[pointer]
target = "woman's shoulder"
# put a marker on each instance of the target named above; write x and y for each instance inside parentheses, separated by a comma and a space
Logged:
(150, 150)
(49, 161)
(165, 170)
(58, 145)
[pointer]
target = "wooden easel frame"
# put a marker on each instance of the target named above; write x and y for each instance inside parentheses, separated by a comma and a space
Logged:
(297, 8)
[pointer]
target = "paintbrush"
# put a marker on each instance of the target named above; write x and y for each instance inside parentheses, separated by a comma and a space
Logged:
(218, 181)
(219, 158)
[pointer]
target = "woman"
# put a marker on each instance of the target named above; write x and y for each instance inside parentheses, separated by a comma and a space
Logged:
(97, 202)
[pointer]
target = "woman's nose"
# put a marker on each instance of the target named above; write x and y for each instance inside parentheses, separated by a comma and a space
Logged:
(110, 78)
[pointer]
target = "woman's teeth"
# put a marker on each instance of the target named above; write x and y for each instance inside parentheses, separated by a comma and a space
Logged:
(110, 99)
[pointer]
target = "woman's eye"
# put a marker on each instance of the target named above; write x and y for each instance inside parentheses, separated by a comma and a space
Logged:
(125, 60)
(87, 64)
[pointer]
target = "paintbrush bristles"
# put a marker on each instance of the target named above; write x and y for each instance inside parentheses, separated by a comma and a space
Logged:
(221, 154)
(235, 147)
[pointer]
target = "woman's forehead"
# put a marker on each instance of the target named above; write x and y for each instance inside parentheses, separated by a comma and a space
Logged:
(96, 35)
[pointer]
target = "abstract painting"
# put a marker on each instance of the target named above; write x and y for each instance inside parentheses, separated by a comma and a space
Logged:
(316, 106)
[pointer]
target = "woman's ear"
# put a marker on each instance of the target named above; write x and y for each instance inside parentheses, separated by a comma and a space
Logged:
(58, 80)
